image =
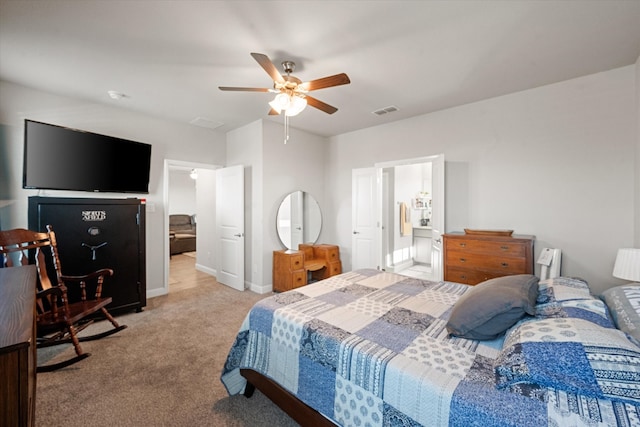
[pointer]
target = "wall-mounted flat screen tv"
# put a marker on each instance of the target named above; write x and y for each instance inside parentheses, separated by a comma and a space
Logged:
(61, 158)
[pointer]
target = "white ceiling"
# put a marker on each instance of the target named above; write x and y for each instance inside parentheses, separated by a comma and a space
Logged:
(169, 57)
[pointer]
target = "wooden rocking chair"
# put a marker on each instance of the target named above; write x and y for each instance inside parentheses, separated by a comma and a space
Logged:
(58, 321)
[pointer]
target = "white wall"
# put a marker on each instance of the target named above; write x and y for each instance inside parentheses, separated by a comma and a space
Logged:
(168, 139)
(272, 170)
(182, 193)
(557, 162)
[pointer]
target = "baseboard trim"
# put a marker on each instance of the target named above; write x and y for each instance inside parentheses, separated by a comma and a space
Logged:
(152, 293)
(205, 269)
(264, 289)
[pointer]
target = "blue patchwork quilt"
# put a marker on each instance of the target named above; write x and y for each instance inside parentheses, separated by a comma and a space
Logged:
(370, 348)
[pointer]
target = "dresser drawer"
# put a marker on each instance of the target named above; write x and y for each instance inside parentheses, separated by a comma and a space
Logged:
(475, 258)
(470, 277)
(493, 262)
(515, 249)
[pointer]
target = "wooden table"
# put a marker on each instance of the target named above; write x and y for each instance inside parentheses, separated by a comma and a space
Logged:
(17, 346)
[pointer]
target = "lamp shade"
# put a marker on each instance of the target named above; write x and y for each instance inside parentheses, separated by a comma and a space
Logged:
(627, 264)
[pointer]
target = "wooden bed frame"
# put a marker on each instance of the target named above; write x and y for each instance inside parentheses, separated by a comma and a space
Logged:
(302, 413)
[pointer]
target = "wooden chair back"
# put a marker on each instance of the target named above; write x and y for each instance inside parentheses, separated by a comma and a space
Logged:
(17, 243)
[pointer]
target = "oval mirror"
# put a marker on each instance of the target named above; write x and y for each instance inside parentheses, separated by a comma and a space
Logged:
(299, 219)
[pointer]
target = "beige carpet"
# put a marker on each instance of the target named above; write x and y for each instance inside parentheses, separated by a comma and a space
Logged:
(163, 370)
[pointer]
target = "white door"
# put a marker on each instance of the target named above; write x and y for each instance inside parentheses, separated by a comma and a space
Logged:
(386, 237)
(364, 220)
(230, 226)
(437, 216)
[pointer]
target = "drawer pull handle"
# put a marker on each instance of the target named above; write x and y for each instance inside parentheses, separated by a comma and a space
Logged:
(463, 276)
(504, 248)
(462, 245)
(463, 260)
(505, 265)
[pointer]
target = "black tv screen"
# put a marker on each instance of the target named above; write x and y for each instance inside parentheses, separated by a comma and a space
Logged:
(61, 158)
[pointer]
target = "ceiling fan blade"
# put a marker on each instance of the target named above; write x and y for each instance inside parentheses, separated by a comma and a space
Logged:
(268, 66)
(244, 89)
(337, 80)
(320, 105)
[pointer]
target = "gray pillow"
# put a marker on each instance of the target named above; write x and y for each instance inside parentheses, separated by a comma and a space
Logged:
(624, 305)
(489, 308)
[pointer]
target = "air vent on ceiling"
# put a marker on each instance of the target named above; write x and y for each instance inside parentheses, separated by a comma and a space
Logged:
(206, 123)
(385, 110)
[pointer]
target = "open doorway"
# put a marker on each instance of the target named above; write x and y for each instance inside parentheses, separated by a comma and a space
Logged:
(412, 216)
(189, 197)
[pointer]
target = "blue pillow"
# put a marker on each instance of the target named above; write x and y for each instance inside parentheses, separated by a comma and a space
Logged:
(572, 355)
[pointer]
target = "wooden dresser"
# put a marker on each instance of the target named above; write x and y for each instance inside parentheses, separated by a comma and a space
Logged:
(291, 268)
(474, 258)
(17, 346)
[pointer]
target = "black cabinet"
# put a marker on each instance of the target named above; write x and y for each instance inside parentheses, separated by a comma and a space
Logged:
(96, 233)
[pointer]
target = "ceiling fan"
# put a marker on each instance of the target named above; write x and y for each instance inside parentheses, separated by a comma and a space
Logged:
(292, 94)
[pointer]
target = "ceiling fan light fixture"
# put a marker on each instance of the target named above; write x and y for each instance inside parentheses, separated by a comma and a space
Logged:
(280, 102)
(296, 105)
(289, 103)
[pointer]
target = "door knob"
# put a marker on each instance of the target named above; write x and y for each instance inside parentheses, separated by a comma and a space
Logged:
(356, 232)
(239, 234)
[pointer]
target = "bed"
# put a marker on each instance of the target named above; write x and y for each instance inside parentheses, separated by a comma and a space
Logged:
(371, 348)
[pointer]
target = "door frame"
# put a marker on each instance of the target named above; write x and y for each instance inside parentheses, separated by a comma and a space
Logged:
(168, 165)
(441, 206)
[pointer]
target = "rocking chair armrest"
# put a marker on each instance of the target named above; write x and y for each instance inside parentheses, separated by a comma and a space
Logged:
(59, 291)
(98, 273)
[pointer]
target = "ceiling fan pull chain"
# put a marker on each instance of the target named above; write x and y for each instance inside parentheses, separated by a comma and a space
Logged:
(286, 128)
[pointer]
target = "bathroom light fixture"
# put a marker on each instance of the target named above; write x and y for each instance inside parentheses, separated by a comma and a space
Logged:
(627, 264)
(193, 174)
(116, 95)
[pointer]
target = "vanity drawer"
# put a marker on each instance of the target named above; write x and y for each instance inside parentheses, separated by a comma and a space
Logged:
(335, 268)
(296, 261)
(298, 278)
(288, 270)
(329, 253)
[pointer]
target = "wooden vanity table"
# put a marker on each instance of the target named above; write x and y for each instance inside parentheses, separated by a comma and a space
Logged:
(292, 268)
